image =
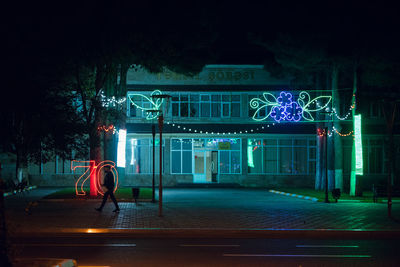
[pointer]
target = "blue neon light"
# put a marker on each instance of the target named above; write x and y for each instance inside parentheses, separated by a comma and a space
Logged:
(285, 108)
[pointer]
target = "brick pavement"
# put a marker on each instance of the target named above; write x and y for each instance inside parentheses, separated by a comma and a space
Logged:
(207, 208)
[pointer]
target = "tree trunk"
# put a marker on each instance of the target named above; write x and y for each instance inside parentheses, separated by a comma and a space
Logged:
(21, 165)
(389, 110)
(94, 151)
(331, 148)
(4, 260)
(337, 139)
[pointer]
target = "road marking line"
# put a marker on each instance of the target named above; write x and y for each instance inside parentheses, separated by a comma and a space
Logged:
(200, 245)
(298, 255)
(325, 246)
(78, 245)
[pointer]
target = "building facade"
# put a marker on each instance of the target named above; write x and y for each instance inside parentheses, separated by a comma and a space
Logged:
(213, 133)
(209, 134)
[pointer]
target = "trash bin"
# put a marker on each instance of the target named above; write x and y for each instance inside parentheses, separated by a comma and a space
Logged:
(336, 194)
(135, 193)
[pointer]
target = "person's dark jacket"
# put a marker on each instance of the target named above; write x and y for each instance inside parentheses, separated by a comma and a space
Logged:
(109, 181)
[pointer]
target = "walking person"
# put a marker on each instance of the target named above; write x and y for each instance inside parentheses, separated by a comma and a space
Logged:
(109, 185)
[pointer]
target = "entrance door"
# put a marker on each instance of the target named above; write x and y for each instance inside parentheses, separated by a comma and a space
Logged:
(199, 175)
(214, 166)
(205, 167)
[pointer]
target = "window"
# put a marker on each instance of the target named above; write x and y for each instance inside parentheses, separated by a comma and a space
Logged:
(205, 105)
(133, 111)
(184, 105)
(229, 158)
(270, 159)
(63, 166)
(224, 162)
(139, 156)
(254, 156)
(181, 156)
(252, 111)
(235, 106)
(216, 106)
(281, 156)
(374, 156)
(194, 106)
(191, 105)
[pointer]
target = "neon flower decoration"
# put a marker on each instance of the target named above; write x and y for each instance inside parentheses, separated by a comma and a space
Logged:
(94, 173)
(284, 108)
(278, 113)
(148, 103)
(293, 112)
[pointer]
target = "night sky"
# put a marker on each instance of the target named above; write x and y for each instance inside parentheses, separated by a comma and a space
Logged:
(54, 28)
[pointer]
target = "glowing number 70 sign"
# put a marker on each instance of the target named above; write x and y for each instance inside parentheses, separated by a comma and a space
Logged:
(94, 173)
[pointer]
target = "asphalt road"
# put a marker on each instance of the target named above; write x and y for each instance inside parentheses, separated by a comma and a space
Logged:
(101, 251)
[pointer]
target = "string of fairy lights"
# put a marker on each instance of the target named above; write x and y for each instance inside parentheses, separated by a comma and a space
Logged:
(320, 132)
(345, 117)
(112, 102)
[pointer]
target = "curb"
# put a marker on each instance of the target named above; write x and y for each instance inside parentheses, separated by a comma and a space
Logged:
(44, 262)
(294, 195)
(90, 200)
(211, 233)
(15, 191)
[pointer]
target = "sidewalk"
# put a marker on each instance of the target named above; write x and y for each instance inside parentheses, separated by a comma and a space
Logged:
(202, 211)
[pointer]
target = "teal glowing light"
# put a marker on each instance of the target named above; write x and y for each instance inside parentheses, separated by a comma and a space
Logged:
(250, 161)
(121, 160)
(154, 105)
(358, 144)
(285, 108)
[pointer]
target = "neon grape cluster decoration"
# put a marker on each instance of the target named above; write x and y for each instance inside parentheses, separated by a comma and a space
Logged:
(285, 108)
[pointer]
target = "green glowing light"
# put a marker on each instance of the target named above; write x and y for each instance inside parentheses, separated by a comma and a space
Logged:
(154, 105)
(358, 144)
(250, 161)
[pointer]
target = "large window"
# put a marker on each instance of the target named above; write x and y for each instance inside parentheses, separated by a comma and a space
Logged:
(281, 156)
(229, 154)
(205, 105)
(139, 156)
(193, 105)
(181, 155)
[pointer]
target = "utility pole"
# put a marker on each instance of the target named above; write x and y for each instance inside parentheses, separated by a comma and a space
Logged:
(326, 166)
(160, 188)
(160, 126)
(153, 131)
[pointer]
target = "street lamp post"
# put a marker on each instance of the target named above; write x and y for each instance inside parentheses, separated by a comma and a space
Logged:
(160, 126)
(153, 132)
(326, 167)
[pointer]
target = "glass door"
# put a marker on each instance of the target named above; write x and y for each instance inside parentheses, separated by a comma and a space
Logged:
(205, 166)
(199, 167)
